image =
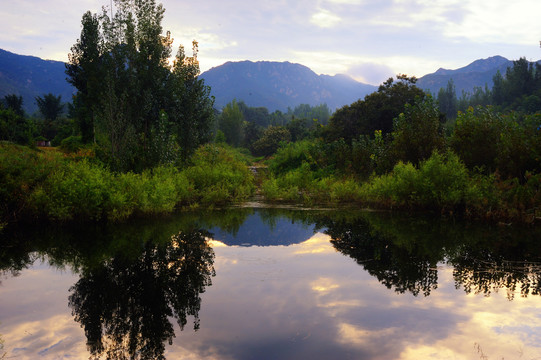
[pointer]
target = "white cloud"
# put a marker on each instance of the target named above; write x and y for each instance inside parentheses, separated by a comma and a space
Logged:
(325, 19)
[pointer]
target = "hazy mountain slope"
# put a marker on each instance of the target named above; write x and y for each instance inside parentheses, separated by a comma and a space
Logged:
(279, 85)
(30, 76)
(478, 73)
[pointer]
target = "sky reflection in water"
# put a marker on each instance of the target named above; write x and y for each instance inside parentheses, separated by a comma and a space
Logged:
(305, 300)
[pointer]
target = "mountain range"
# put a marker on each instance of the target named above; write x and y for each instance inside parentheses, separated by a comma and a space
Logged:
(274, 85)
(476, 74)
(279, 85)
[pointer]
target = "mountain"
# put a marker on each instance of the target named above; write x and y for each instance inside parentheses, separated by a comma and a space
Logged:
(478, 73)
(30, 76)
(254, 231)
(279, 85)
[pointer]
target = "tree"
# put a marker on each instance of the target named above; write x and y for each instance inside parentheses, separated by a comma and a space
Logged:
(14, 103)
(375, 112)
(418, 132)
(50, 107)
(476, 137)
(192, 107)
(15, 128)
(85, 73)
(136, 102)
(447, 100)
(270, 141)
(231, 123)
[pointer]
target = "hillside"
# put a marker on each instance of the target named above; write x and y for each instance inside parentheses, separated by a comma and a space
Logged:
(476, 74)
(279, 85)
(30, 76)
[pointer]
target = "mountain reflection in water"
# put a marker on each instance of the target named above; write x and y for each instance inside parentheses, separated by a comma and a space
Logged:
(294, 295)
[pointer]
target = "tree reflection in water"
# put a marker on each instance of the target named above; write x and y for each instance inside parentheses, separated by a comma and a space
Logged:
(124, 305)
(403, 253)
(404, 269)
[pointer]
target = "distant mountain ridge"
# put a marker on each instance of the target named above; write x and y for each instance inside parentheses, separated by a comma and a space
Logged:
(279, 85)
(274, 85)
(30, 76)
(476, 74)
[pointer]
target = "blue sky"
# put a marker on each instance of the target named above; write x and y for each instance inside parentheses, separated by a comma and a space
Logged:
(369, 40)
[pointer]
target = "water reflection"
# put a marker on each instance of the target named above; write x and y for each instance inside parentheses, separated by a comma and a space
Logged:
(404, 253)
(312, 296)
(125, 303)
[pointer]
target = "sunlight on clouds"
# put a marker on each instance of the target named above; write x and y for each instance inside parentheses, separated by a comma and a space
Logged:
(351, 334)
(317, 244)
(324, 285)
(325, 19)
(56, 337)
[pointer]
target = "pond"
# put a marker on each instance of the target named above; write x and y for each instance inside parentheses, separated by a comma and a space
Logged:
(246, 283)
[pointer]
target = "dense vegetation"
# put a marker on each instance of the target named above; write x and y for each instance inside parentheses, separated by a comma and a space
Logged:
(138, 136)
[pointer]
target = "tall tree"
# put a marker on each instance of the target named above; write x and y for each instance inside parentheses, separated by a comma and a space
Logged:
(84, 71)
(231, 123)
(50, 107)
(14, 103)
(447, 100)
(127, 90)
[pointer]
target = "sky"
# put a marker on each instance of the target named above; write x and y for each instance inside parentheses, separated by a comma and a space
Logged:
(369, 40)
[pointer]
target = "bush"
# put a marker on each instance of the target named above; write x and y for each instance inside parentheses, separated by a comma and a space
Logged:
(440, 183)
(219, 175)
(71, 144)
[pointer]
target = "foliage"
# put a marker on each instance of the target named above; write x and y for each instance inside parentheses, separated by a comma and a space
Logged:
(129, 99)
(375, 112)
(439, 183)
(15, 128)
(270, 141)
(64, 187)
(219, 175)
(231, 123)
(476, 137)
(447, 101)
(21, 170)
(14, 103)
(417, 132)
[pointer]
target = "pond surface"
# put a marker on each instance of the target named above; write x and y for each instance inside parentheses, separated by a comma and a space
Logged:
(272, 284)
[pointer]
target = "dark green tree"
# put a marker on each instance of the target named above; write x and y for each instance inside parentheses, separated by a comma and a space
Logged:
(418, 132)
(191, 106)
(15, 128)
(14, 103)
(85, 73)
(51, 108)
(231, 123)
(375, 112)
(137, 103)
(447, 100)
(477, 136)
(270, 141)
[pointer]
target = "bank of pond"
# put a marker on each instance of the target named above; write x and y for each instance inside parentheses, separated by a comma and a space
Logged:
(50, 185)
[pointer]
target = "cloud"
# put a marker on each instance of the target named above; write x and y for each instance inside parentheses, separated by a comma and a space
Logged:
(325, 19)
(371, 72)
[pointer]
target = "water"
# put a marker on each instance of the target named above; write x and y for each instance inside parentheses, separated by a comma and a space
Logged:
(272, 284)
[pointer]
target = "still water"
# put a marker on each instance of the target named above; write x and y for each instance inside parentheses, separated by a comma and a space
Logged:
(272, 284)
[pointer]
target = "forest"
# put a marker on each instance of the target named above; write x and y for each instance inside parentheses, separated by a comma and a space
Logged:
(141, 137)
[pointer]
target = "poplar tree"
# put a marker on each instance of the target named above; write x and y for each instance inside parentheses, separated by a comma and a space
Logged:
(141, 110)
